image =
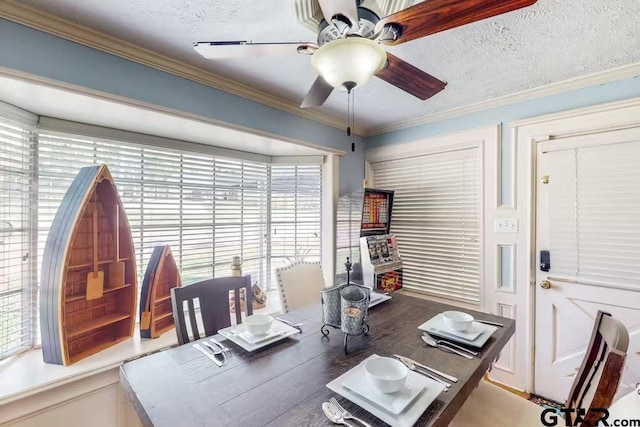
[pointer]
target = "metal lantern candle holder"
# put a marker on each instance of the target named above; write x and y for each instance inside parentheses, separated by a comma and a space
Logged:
(346, 307)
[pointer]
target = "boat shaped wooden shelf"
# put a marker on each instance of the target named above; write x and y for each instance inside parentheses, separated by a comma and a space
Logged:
(156, 314)
(88, 285)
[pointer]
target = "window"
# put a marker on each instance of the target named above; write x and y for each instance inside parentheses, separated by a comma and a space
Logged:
(17, 275)
(594, 233)
(206, 208)
(209, 208)
(436, 218)
(295, 214)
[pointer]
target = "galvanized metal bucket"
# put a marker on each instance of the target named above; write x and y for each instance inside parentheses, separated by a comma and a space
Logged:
(354, 303)
(330, 298)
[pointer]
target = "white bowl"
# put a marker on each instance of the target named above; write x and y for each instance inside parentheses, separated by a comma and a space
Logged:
(458, 320)
(258, 324)
(386, 374)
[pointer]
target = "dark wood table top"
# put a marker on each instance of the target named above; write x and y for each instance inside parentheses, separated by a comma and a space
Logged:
(285, 384)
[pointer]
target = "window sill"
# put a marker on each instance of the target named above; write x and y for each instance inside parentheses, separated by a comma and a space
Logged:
(26, 374)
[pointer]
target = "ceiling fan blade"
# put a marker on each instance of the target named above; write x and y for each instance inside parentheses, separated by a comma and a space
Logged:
(405, 76)
(433, 16)
(346, 8)
(318, 93)
(241, 49)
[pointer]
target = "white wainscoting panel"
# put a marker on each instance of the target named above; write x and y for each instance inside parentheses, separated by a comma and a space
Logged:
(97, 401)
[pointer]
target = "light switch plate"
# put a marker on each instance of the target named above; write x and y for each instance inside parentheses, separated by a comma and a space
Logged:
(505, 225)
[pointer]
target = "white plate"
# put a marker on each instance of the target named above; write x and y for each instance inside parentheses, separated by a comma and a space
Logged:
(469, 334)
(406, 418)
(432, 327)
(391, 402)
(253, 339)
(377, 298)
(237, 334)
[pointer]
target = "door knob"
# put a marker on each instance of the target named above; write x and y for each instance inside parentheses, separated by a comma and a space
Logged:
(545, 284)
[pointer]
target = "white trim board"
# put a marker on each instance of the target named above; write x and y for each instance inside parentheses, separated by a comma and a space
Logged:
(127, 102)
(430, 145)
(528, 133)
(487, 140)
(58, 126)
(16, 113)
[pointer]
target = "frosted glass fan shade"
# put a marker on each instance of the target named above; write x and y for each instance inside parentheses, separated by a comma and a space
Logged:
(354, 59)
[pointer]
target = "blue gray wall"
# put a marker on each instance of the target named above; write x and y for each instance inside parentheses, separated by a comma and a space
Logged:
(35, 52)
(38, 53)
(608, 92)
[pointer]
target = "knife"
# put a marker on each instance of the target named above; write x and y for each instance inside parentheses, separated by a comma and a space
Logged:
(435, 371)
(208, 354)
(487, 322)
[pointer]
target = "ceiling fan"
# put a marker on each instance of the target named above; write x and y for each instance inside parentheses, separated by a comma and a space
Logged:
(349, 48)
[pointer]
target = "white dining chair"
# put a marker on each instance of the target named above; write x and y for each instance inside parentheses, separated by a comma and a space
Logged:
(595, 386)
(300, 284)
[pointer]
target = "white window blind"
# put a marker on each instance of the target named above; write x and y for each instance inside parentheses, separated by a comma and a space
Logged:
(208, 206)
(594, 206)
(208, 209)
(436, 217)
(17, 271)
(295, 214)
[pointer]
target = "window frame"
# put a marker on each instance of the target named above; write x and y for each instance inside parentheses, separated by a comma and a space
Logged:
(488, 139)
(28, 125)
(134, 139)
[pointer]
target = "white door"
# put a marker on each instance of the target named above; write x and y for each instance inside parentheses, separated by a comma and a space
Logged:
(588, 218)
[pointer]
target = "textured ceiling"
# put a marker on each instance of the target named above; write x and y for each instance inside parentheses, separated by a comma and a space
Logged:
(551, 41)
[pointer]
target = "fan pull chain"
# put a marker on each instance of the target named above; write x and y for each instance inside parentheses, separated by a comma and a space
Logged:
(353, 121)
(351, 100)
(349, 112)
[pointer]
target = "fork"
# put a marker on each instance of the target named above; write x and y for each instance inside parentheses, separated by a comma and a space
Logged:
(431, 342)
(225, 350)
(450, 344)
(293, 325)
(346, 414)
(217, 352)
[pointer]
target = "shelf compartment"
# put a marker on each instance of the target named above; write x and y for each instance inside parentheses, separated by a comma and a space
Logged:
(160, 300)
(162, 316)
(88, 265)
(96, 323)
(98, 345)
(76, 298)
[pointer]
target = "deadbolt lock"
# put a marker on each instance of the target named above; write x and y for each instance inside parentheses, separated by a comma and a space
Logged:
(545, 179)
(545, 284)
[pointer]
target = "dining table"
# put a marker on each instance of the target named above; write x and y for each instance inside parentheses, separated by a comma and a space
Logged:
(284, 384)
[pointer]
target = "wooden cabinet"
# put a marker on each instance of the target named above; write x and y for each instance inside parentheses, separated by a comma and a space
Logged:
(156, 314)
(88, 280)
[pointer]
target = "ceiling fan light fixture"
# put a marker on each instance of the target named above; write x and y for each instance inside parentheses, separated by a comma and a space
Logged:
(349, 60)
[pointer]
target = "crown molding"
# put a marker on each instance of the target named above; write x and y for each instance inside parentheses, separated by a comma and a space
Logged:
(627, 71)
(12, 10)
(578, 112)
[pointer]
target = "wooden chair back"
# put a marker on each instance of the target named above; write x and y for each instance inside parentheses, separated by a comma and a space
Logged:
(300, 284)
(598, 378)
(213, 295)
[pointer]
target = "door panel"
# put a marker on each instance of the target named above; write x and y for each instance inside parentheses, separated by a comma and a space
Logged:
(568, 311)
(588, 217)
